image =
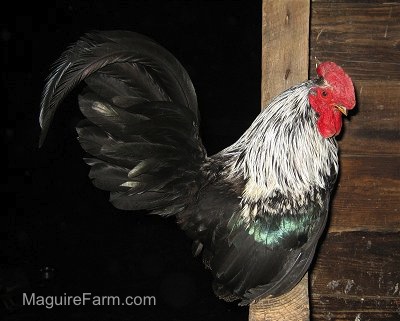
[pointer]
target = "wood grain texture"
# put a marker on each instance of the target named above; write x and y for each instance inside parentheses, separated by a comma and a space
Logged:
(285, 46)
(367, 195)
(374, 127)
(363, 37)
(288, 307)
(357, 277)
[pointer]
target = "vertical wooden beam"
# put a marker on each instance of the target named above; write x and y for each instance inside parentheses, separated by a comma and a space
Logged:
(285, 45)
(292, 306)
(285, 56)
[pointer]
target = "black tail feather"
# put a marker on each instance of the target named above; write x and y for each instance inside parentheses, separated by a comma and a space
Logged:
(142, 123)
(127, 56)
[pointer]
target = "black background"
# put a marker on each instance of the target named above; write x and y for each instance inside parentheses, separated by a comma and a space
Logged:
(56, 219)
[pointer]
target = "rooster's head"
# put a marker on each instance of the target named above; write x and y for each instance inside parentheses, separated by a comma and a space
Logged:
(332, 96)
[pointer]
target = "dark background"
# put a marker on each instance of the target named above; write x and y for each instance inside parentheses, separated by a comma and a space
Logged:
(60, 234)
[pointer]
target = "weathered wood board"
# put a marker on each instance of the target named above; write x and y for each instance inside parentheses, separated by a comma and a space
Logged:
(364, 37)
(367, 195)
(374, 127)
(357, 277)
(357, 272)
(285, 45)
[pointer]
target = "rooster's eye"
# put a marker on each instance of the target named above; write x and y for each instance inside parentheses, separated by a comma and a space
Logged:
(324, 93)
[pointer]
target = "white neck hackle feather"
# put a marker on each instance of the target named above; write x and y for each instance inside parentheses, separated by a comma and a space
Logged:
(284, 153)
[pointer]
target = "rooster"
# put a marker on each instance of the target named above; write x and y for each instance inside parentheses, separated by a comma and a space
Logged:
(256, 209)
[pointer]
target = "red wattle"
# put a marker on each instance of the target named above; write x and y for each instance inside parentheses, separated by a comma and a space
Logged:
(330, 123)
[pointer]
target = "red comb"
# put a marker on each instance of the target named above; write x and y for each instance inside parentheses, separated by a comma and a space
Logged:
(335, 76)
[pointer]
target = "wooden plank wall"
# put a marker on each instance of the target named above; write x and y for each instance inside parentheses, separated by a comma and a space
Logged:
(357, 271)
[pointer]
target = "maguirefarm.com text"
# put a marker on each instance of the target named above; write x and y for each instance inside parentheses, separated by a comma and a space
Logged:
(52, 301)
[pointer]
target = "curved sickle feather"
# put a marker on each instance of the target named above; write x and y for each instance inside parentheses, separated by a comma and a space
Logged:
(98, 49)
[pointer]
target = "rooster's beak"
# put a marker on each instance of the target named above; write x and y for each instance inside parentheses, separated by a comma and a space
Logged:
(342, 109)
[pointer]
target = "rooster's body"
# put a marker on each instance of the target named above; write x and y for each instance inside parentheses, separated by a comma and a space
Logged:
(255, 210)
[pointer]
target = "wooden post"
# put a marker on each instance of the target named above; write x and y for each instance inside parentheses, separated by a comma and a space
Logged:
(292, 306)
(285, 56)
(285, 45)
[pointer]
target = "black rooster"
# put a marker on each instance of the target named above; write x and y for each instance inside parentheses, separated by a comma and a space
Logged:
(256, 209)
